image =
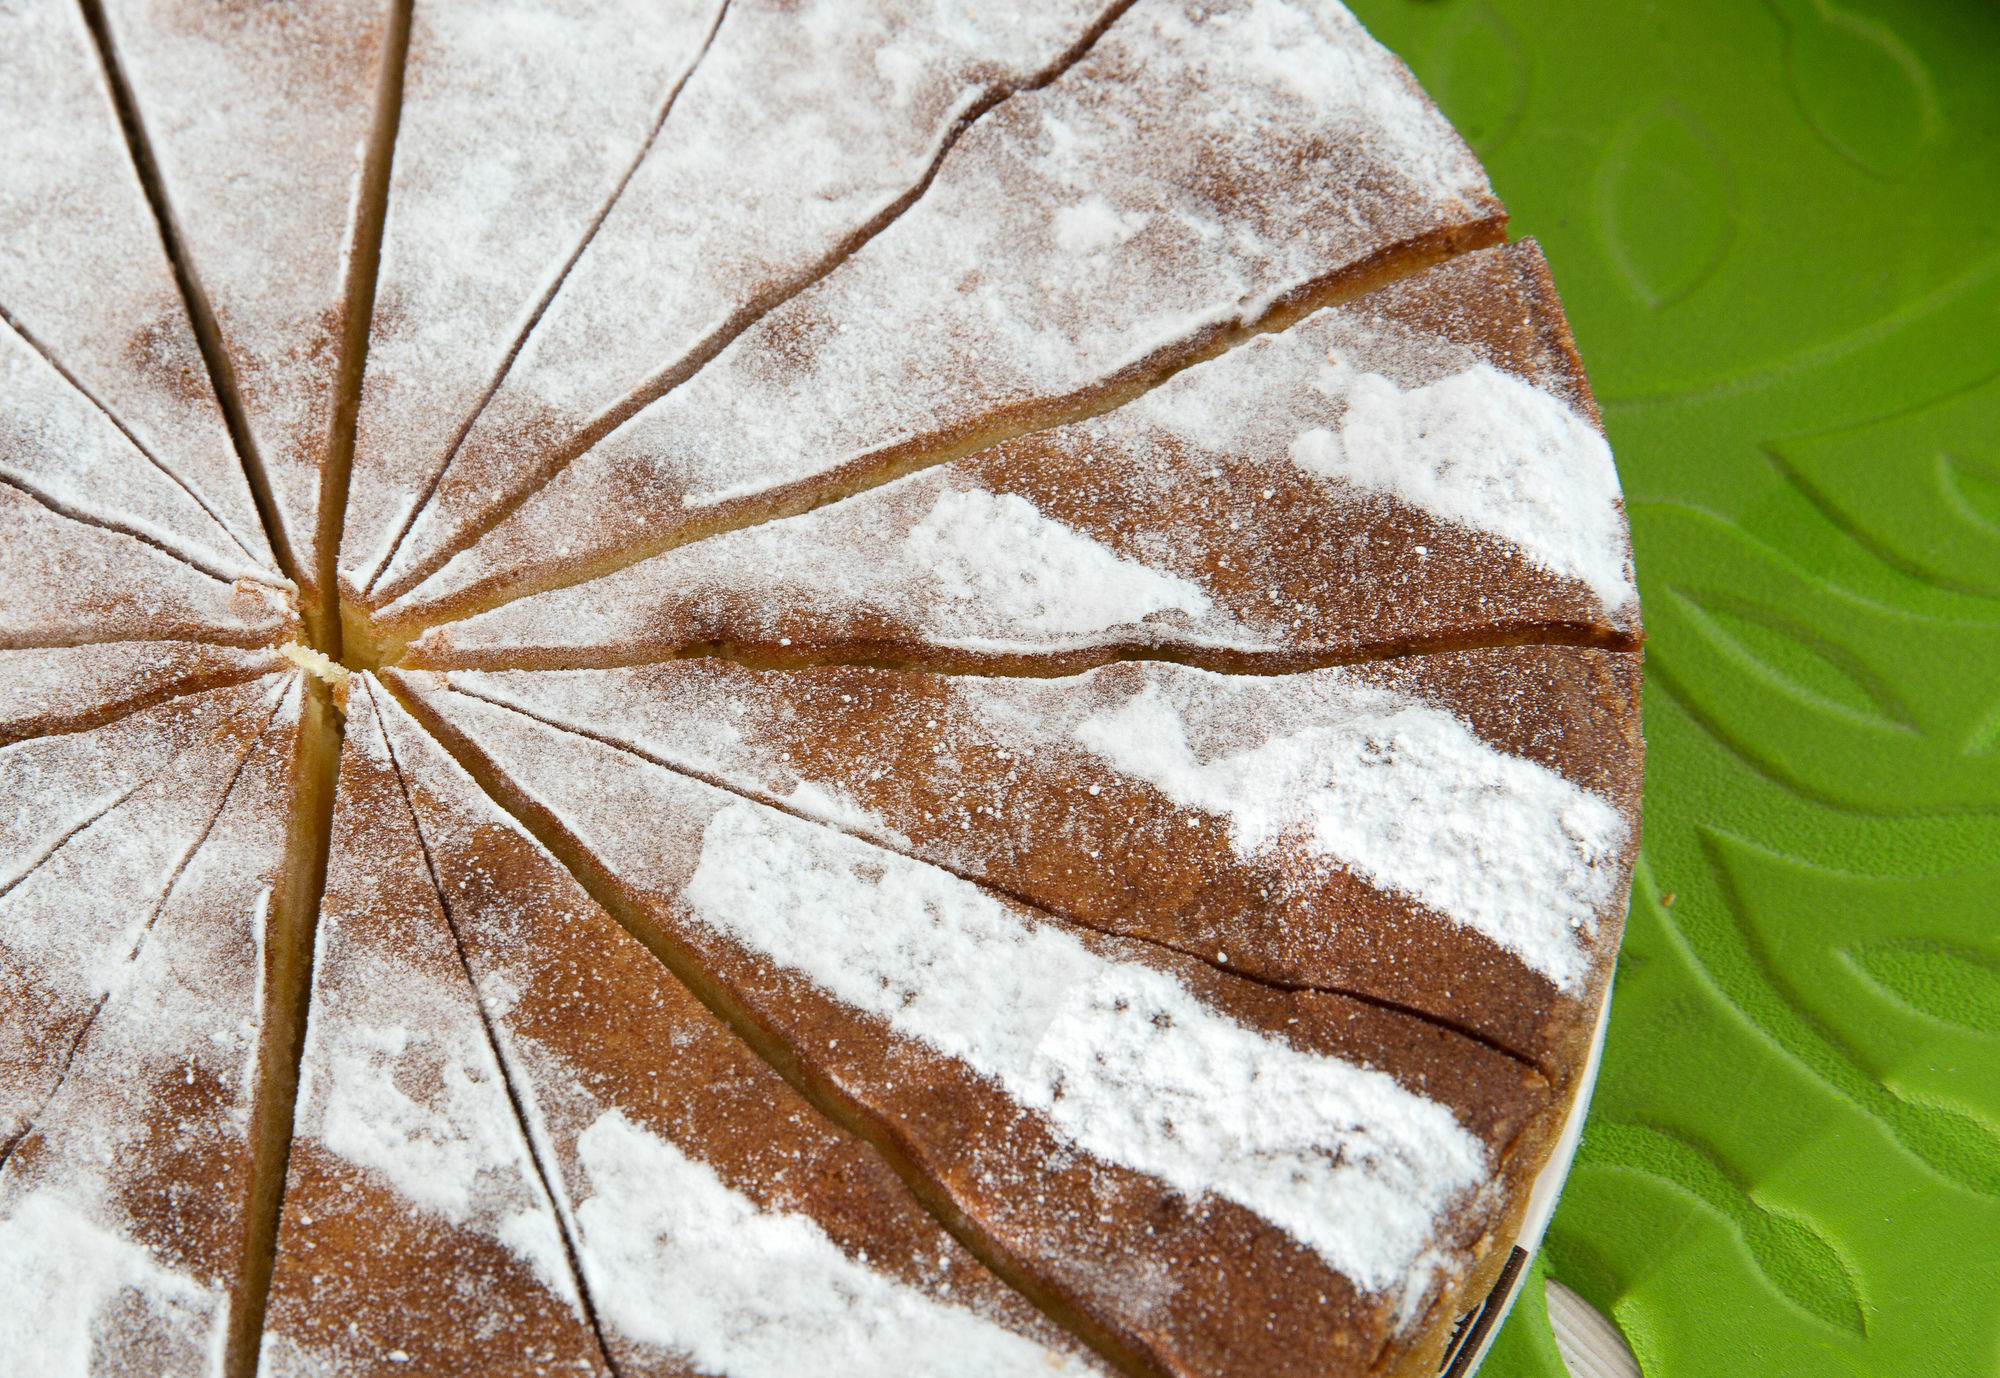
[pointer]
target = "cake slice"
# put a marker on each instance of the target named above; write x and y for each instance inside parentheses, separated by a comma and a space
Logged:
(65, 581)
(1450, 833)
(1202, 1173)
(85, 280)
(1078, 242)
(129, 1197)
(718, 1223)
(800, 133)
(417, 1234)
(65, 451)
(72, 689)
(1419, 469)
(518, 127)
(56, 779)
(261, 120)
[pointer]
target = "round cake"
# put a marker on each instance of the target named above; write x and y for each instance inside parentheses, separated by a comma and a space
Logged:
(756, 687)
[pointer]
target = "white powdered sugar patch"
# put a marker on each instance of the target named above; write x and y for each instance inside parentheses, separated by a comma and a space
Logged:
(83, 272)
(519, 118)
(978, 299)
(1484, 448)
(1002, 569)
(678, 1259)
(801, 124)
(1123, 1060)
(1406, 796)
(60, 1270)
(60, 446)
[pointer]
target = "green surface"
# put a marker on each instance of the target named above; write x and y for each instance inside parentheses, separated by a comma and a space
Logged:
(1776, 228)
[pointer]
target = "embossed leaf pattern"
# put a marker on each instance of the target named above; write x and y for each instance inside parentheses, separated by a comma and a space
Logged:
(1777, 230)
(1939, 518)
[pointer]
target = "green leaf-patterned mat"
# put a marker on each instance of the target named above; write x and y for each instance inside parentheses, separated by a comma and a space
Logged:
(1776, 228)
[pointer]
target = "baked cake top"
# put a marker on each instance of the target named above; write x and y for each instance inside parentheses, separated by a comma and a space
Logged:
(730, 689)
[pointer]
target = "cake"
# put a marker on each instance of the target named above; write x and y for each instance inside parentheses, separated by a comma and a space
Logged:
(841, 686)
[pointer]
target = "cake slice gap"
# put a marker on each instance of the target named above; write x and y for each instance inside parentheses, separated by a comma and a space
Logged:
(518, 128)
(834, 116)
(1418, 469)
(1076, 245)
(1200, 1173)
(110, 1261)
(85, 279)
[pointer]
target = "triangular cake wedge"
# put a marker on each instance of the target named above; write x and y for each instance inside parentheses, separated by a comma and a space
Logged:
(262, 121)
(518, 126)
(130, 1206)
(57, 783)
(416, 1234)
(1076, 244)
(67, 581)
(1451, 833)
(801, 132)
(720, 1224)
(72, 689)
(85, 279)
(1205, 1174)
(61, 448)
(1419, 468)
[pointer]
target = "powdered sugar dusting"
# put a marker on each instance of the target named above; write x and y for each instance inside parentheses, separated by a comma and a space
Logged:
(1124, 1061)
(685, 1263)
(802, 123)
(64, 580)
(56, 443)
(156, 1099)
(82, 269)
(1484, 448)
(56, 689)
(259, 118)
(1015, 571)
(518, 120)
(1405, 795)
(61, 1271)
(974, 302)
